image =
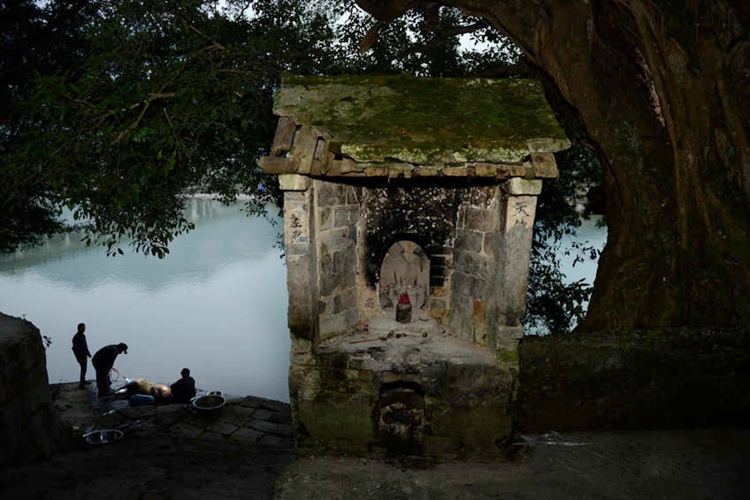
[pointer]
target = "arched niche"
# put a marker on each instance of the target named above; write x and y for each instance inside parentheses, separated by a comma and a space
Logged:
(405, 268)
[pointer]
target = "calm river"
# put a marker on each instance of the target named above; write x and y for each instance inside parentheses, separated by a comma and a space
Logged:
(216, 304)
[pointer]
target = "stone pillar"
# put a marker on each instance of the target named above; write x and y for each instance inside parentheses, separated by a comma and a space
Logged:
(300, 257)
(302, 281)
(513, 278)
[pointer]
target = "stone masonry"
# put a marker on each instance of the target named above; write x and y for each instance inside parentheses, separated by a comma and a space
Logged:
(391, 198)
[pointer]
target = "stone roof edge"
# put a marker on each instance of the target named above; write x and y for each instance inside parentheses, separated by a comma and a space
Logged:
(536, 166)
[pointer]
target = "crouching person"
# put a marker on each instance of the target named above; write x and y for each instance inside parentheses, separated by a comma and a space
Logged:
(184, 389)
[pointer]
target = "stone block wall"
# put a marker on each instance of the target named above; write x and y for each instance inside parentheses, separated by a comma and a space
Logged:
(491, 257)
(422, 215)
(475, 263)
(477, 239)
(336, 220)
(29, 427)
(463, 409)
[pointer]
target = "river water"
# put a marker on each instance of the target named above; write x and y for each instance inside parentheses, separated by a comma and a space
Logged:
(216, 304)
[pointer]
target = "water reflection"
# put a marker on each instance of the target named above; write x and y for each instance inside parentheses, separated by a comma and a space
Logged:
(216, 304)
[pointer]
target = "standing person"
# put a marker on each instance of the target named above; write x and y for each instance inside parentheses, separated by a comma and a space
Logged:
(81, 352)
(184, 389)
(103, 361)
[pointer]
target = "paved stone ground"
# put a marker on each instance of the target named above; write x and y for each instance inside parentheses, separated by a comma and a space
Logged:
(244, 421)
(705, 464)
(170, 452)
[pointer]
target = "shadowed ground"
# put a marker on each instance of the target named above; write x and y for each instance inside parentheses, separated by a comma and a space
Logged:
(170, 452)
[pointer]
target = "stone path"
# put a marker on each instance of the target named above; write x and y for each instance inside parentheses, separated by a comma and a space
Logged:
(686, 464)
(170, 452)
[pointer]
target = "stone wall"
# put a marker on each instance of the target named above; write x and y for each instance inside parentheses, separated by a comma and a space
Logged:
(28, 424)
(442, 385)
(477, 239)
(476, 265)
(336, 218)
(667, 379)
(455, 404)
(491, 263)
(424, 215)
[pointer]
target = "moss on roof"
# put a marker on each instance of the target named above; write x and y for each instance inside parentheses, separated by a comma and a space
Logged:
(425, 120)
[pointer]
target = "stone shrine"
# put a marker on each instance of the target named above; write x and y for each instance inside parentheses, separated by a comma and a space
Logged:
(408, 211)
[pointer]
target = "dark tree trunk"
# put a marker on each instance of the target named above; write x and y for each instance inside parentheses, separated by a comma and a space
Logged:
(663, 90)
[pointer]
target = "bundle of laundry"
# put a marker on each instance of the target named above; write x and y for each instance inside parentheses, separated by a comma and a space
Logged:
(149, 392)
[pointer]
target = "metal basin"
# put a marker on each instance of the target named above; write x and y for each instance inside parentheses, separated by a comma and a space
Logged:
(103, 436)
(209, 404)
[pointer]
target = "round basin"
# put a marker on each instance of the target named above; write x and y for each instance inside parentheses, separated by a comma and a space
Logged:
(209, 404)
(103, 436)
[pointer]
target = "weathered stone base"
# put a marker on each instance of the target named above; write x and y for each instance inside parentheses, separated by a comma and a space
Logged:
(29, 425)
(654, 379)
(436, 396)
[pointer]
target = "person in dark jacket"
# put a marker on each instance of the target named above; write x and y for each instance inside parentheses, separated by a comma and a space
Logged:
(81, 352)
(184, 389)
(103, 361)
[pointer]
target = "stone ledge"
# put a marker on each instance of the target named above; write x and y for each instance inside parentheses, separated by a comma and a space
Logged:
(644, 379)
(242, 420)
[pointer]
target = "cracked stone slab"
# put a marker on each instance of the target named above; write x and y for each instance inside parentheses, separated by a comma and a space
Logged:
(239, 413)
(263, 414)
(246, 435)
(275, 441)
(275, 405)
(223, 428)
(271, 428)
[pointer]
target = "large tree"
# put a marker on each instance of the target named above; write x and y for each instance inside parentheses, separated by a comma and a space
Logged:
(661, 89)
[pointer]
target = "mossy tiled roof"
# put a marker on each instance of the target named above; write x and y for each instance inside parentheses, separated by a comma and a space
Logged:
(424, 121)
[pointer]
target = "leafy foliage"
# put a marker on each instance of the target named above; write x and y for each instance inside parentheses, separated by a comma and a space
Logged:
(421, 44)
(552, 305)
(34, 42)
(117, 109)
(168, 98)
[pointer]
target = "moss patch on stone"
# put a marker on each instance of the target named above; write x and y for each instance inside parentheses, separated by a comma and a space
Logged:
(424, 120)
(507, 356)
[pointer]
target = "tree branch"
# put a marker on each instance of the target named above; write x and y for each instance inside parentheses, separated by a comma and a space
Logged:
(214, 45)
(146, 104)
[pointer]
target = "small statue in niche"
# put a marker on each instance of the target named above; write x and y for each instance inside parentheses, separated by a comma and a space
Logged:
(405, 268)
(403, 309)
(399, 286)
